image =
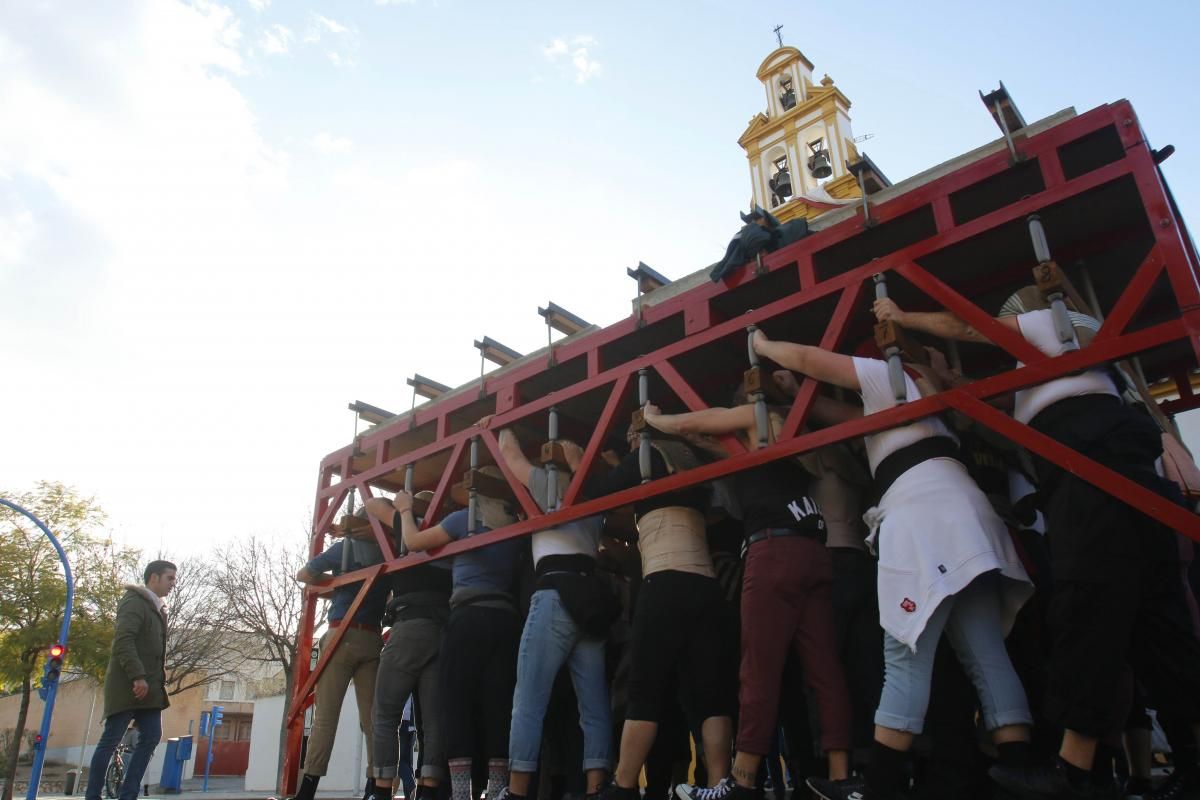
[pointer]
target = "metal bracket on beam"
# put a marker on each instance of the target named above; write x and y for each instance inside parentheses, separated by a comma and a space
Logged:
(647, 280)
(369, 413)
(493, 351)
(1007, 116)
(559, 319)
(870, 180)
(423, 387)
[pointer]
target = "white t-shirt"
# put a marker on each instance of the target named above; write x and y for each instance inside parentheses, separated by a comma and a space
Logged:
(581, 537)
(877, 396)
(1038, 329)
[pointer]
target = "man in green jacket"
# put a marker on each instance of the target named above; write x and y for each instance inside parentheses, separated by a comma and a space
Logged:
(135, 688)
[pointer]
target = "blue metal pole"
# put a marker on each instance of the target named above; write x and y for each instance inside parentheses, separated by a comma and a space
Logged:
(212, 732)
(51, 682)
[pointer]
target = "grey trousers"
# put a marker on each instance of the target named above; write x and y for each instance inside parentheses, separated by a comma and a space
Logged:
(409, 663)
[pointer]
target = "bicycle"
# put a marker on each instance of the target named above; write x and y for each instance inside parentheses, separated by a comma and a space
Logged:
(115, 773)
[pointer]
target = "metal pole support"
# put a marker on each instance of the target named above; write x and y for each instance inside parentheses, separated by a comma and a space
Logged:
(892, 353)
(472, 503)
(551, 467)
(762, 420)
(1056, 297)
(644, 465)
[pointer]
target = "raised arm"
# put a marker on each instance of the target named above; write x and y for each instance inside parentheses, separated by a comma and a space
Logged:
(713, 421)
(814, 362)
(514, 456)
(939, 323)
(417, 540)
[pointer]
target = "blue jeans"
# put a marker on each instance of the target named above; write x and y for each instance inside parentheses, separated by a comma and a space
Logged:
(149, 726)
(971, 621)
(550, 639)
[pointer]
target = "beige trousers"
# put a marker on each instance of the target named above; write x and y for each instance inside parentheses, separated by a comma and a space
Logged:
(357, 660)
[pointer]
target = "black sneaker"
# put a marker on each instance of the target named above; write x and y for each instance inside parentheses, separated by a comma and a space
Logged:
(1047, 783)
(1178, 786)
(846, 789)
(727, 789)
(614, 792)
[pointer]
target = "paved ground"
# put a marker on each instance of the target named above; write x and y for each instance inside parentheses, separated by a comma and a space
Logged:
(218, 789)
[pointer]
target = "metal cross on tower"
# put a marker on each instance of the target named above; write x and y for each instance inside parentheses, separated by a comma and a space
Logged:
(778, 35)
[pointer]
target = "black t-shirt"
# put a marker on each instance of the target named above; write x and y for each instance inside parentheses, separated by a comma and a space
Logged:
(775, 495)
(628, 474)
(432, 577)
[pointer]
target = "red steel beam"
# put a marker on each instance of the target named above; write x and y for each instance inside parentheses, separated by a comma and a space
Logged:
(592, 451)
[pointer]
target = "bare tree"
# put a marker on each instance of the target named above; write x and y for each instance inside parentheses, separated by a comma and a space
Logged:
(261, 602)
(199, 650)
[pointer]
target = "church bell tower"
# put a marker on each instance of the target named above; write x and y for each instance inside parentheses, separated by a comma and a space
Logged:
(799, 147)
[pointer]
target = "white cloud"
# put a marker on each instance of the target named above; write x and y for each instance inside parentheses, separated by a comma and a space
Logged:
(276, 40)
(259, 5)
(575, 56)
(331, 25)
(395, 2)
(326, 142)
(16, 233)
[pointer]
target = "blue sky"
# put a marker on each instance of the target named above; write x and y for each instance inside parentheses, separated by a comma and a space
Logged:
(220, 222)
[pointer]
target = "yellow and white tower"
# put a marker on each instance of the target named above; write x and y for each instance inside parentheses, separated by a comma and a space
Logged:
(798, 147)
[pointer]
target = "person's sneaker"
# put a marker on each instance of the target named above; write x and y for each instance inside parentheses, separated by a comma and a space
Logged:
(846, 789)
(727, 789)
(614, 792)
(1178, 786)
(1032, 782)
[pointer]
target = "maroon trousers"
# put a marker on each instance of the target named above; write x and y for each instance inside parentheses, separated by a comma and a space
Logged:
(787, 605)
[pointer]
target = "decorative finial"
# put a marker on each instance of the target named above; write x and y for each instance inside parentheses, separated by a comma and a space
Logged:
(778, 35)
(827, 81)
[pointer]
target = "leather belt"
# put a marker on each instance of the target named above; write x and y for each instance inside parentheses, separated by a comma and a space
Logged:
(362, 626)
(775, 533)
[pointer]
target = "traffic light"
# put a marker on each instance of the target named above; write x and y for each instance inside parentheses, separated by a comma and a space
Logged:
(53, 668)
(218, 716)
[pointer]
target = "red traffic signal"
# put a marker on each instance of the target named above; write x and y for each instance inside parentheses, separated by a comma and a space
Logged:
(57, 651)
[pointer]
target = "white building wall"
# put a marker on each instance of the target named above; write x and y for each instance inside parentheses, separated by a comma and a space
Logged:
(347, 765)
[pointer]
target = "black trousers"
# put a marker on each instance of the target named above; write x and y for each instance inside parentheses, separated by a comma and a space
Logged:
(478, 671)
(859, 637)
(1117, 601)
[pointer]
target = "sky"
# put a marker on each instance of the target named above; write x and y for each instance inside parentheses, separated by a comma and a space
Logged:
(221, 222)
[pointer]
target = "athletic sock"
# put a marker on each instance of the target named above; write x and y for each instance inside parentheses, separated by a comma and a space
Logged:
(497, 777)
(460, 779)
(308, 787)
(1013, 754)
(887, 771)
(1078, 779)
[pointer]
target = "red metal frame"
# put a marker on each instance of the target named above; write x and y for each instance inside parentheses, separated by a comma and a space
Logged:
(351, 468)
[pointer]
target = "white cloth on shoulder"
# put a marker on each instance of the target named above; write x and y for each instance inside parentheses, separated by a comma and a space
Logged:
(933, 530)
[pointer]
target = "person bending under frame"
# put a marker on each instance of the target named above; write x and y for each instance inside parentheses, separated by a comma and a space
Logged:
(786, 600)
(946, 565)
(1112, 603)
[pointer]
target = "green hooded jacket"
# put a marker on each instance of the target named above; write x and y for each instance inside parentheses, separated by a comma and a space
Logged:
(139, 651)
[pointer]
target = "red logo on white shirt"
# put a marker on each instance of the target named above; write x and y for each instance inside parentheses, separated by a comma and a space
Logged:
(908, 605)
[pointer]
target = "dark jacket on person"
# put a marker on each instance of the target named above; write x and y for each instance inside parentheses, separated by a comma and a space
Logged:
(138, 651)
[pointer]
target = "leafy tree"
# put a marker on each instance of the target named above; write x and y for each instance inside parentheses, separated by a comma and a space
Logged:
(33, 593)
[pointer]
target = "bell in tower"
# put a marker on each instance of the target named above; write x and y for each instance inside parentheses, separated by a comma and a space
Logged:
(818, 163)
(780, 183)
(787, 93)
